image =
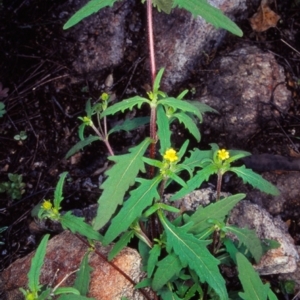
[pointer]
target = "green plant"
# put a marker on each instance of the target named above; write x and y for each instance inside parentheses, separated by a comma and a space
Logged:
(2, 109)
(2, 229)
(181, 254)
(15, 187)
(22, 136)
(36, 291)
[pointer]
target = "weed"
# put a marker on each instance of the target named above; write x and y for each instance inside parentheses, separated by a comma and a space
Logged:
(14, 187)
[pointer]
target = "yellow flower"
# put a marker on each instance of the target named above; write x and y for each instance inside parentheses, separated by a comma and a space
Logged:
(223, 154)
(171, 155)
(47, 205)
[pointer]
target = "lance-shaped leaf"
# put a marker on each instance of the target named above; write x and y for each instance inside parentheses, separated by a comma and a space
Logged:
(216, 211)
(193, 252)
(83, 276)
(78, 225)
(253, 287)
(255, 180)
(210, 14)
(130, 124)
(249, 239)
(90, 8)
(81, 144)
(154, 253)
(163, 131)
(203, 108)
(168, 267)
(125, 104)
(133, 207)
(189, 124)
(180, 104)
(36, 265)
(58, 194)
(195, 182)
(120, 177)
(197, 156)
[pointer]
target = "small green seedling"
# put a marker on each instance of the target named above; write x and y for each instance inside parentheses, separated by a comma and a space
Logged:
(22, 136)
(15, 187)
(2, 109)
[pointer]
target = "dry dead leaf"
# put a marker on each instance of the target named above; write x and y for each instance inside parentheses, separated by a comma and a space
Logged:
(264, 19)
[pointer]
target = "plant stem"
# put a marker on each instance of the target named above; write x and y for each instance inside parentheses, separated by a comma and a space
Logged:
(151, 41)
(219, 184)
(104, 139)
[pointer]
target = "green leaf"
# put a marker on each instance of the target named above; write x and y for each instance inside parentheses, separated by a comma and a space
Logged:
(78, 225)
(36, 265)
(120, 244)
(125, 104)
(139, 199)
(193, 252)
(188, 124)
(195, 182)
(216, 211)
(120, 177)
(253, 287)
(163, 5)
(153, 259)
(130, 124)
(271, 295)
(163, 131)
(90, 8)
(157, 80)
(202, 108)
(66, 290)
(180, 104)
(74, 297)
(81, 144)
(249, 239)
(58, 194)
(197, 156)
(255, 180)
(210, 14)
(230, 248)
(168, 268)
(83, 276)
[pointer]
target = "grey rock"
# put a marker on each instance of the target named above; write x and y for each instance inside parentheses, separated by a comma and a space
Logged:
(249, 89)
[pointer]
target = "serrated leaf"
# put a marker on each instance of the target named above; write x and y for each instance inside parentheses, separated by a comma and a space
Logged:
(255, 180)
(163, 5)
(154, 253)
(253, 287)
(139, 199)
(58, 194)
(130, 124)
(36, 264)
(189, 124)
(249, 239)
(210, 14)
(125, 104)
(180, 104)
(195, 182)
(81, 144)
(193, 252)
(74, 297)
(120, 244)
(67, 290)
(202, 108)
(216, 211)
(120, 177)
(197, 156)
(90, 8)
(83, 276)
(167, 268)
(163, 130)
(78, 225)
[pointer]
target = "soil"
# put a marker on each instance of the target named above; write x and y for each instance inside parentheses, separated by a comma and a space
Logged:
(46, 97)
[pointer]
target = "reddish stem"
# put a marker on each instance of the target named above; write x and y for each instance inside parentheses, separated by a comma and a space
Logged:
(151, 41)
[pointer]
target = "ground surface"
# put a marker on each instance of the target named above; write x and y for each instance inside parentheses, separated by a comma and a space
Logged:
(44, 103)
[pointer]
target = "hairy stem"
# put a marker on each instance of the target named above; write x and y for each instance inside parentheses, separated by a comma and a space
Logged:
(219, 184)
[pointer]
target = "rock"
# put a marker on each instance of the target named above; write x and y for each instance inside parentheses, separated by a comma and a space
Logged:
(64, 254)
(99, 41)
(248, 90)
(275, 261)
(181, 40)
(247, 215)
